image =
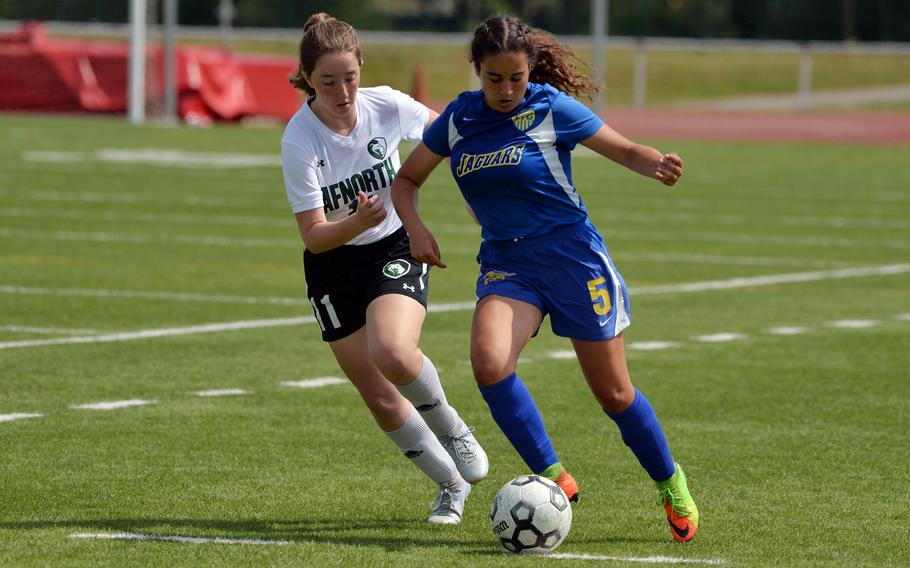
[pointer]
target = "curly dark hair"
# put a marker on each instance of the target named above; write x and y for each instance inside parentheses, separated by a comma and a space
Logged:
(550, 60)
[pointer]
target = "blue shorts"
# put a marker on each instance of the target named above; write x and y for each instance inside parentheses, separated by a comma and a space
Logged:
(567, 273)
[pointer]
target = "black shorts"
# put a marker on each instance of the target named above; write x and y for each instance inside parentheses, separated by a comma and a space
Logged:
(342, 282)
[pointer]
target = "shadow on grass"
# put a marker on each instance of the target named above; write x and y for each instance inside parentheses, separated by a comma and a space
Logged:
(391, 534)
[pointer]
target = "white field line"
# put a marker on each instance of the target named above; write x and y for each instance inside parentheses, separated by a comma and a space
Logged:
(855, 324)
(651, 345)
(159, 157)
(170, 538)
(719, 337)
(47, 330)
(774, 279)
(764, 239)
(779, 198)
(788, 330)
(643, 290)
(732, 336)
(453, 307)
(165, 332)
(121, 216)
(18, 416)
(703, 219)
(632, 346)
(190, 219)
(221, 392)
(178, 296)
(732, 283)
(732, 260)
(112, 405)
(643, 559)
(218, 240)
(202, 240)
(315, 383)
(565, 354)
(55, 196)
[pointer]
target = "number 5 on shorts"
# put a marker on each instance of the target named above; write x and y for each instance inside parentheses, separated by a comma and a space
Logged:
(599, 296)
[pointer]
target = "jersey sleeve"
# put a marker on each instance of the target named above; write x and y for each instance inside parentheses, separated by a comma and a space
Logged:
(574, 121)
(436, 137)
(412, 116)
(300, 180)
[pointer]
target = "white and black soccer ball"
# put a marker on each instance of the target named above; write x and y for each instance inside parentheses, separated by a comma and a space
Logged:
(530, 514)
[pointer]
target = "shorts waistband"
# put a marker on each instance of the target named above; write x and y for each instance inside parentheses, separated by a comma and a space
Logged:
(529, 243)
(346, 251)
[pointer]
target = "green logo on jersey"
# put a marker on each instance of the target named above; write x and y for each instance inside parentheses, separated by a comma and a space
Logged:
(377, 147)
(396, 268)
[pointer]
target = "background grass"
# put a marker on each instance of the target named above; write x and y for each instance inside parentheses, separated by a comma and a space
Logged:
(795, 446)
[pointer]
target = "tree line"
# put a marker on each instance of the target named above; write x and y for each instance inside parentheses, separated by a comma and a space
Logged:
(831, 20)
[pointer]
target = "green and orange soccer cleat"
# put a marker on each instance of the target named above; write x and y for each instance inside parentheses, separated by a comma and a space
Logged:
(567, 483)
(682, 514)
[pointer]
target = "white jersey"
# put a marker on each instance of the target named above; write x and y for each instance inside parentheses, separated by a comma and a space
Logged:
(324, 169)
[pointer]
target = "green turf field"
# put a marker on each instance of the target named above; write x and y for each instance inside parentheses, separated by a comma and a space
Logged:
(771, 306)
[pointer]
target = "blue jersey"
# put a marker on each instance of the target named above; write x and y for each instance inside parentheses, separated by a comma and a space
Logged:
(514, 169)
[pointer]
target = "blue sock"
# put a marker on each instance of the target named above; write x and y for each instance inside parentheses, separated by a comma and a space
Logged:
(515, 412)
(642, 433)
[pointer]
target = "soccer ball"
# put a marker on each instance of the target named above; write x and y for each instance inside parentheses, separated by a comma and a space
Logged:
(530, 514)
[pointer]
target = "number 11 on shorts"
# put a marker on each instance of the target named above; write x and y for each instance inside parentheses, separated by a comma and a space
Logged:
(599, 296)
(329, 309)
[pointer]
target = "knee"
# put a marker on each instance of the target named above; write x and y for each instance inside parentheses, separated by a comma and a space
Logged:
(489, 366)
(615, 399)
(385, 407)
(396, 363)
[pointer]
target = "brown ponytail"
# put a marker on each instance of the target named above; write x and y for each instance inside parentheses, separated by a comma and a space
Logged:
(322, 34)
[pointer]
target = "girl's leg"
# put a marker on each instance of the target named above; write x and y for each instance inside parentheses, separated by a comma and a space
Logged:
(393, 328)
(397, 418)
(604, 366)
(502, 328)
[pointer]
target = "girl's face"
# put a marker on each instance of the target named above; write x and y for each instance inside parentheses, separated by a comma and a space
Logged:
(504, 79)
(335, 78)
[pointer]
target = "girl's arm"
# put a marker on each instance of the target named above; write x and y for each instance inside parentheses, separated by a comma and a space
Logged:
(320, 235)
(645, 160)
(410, 177)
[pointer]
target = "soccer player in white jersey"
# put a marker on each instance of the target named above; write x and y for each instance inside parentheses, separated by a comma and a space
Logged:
(510, 146)
(339, 155)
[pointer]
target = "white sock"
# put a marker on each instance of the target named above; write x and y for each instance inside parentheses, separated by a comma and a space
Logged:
(418, 444)
(426, 394)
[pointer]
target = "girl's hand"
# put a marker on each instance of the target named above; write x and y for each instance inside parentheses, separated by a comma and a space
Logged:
(424, 247)
(370, 211)
(669, 169)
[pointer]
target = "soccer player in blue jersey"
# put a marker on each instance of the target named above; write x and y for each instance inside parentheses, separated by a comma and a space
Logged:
(509, 146)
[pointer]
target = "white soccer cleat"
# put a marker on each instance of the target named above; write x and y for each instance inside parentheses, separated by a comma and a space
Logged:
(469, 457)
(448, 508)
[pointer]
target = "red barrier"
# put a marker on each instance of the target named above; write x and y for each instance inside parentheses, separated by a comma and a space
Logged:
(41, 74)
